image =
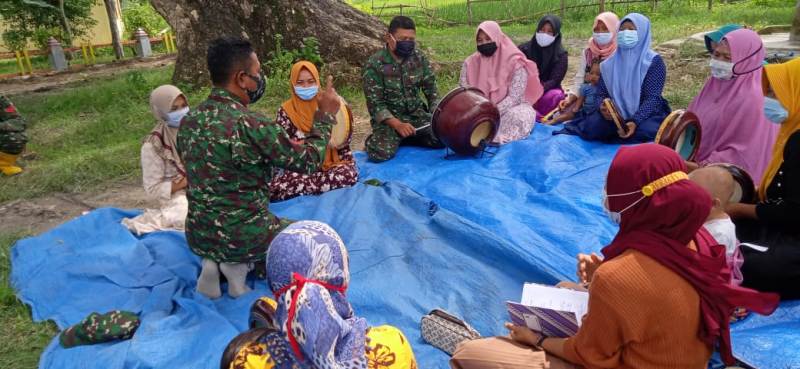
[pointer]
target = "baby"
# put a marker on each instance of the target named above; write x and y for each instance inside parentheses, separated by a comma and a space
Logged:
(720, 185)
(587, 103)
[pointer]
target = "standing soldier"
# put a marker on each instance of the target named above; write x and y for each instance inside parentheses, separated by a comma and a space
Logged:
(393, 80)
(12, 137)
(229, 153)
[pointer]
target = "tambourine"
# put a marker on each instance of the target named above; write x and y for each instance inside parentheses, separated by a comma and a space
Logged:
(744, 190)
(342, 130)
(262, 313)
(615, 115)
(681, 132)
(466, 121)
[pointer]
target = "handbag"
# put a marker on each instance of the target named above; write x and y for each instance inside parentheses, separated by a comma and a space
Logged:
(445, 331)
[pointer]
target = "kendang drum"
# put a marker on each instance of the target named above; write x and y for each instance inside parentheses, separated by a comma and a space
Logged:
(681, 132)
(343, 129)
(744, 190)
(466, 121)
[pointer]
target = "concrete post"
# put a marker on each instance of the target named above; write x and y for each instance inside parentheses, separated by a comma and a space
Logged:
(143, 49)
(57, 59)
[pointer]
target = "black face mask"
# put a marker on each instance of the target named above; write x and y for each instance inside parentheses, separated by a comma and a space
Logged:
(256, 94)
(487, 49)
(404, 49)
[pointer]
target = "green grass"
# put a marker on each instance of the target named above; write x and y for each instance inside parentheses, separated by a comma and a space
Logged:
(23, 340)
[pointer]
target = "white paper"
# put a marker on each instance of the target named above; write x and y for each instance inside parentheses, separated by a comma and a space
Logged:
(561, 299)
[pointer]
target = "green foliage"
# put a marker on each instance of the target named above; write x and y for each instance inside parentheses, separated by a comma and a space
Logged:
(140, 14)
(38, 20)
(281, 60)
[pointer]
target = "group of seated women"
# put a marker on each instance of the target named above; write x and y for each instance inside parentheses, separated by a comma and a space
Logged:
(666, 288)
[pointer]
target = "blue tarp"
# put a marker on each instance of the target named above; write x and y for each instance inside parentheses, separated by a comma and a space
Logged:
(461, 234)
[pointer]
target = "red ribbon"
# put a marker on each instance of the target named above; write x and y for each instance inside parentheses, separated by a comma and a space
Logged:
(300, 281)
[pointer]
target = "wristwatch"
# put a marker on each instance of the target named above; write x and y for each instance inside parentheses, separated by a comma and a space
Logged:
(540, 341)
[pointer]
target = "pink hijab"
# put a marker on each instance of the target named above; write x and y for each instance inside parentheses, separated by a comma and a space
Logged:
(493, 74)
(612, 23)
(731, 112)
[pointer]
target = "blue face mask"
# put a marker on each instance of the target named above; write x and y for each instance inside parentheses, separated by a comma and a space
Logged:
(627, 38)
(602, 38)
(306, 93)
(174, 117)
(774, 110)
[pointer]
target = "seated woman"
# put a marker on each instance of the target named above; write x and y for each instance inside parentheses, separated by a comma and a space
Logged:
(661, 298)
(633, 78)
(507, 78)
(730, 107)
(296, 116)
(772, 222)
(310, 319)
(163, 173)
(602, 45)
(546, 51)
(713, 38)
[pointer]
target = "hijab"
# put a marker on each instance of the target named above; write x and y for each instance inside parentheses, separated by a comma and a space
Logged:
(604, 51)
(163, 137)
(662, 226)
(547, 58)
(308, 271)
(785, 81)
(301, 112)
(259, 348)
(716, 36)
(624, 72)
(493, 74)
(731, 112)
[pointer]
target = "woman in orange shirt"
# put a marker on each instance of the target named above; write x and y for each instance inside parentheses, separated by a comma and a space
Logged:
(660, 299)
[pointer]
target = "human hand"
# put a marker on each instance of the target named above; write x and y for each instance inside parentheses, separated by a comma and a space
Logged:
(630, 128)
(605, 113)
(328, 100)
(179, 184)
(587, 265)
(404, 129)
(523, 335)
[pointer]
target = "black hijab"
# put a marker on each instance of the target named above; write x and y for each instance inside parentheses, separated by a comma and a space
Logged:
(546, 57)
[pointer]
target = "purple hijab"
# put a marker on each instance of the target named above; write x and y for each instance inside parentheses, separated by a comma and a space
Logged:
(731, 112)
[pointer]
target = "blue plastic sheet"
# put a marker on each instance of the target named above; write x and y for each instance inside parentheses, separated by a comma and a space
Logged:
(460, 234)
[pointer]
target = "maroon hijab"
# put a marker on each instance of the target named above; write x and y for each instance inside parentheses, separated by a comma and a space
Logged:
(662, 225)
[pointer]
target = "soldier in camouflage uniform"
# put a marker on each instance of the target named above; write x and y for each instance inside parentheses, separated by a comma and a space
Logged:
(394, 78)
(12, 137)
(229, 153)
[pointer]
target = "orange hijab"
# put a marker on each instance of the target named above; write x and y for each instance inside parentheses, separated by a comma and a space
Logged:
(785, 81)
(301, 112)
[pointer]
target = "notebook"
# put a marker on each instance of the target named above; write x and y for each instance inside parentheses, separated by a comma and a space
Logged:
(554, 312)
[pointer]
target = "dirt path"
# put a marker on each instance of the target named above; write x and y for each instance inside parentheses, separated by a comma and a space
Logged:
(47, 82)
(40, 214)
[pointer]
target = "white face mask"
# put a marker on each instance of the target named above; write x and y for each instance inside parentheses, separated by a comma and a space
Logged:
(616, 216)
(544, 39)
(602, 38)
(721, 69)
(174, 117)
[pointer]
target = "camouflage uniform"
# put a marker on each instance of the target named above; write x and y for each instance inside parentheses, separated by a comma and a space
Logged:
(392, 90)
(230, 153)
(99, 328)
(12, 128)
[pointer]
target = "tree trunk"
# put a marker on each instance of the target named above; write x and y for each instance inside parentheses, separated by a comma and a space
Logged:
(111, 10)
(345, 34)
(65, 23)
(794, 35)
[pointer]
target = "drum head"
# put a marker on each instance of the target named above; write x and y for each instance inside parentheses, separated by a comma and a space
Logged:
(744, 189)
(481, 133)
(343, 127)
(688, 142)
